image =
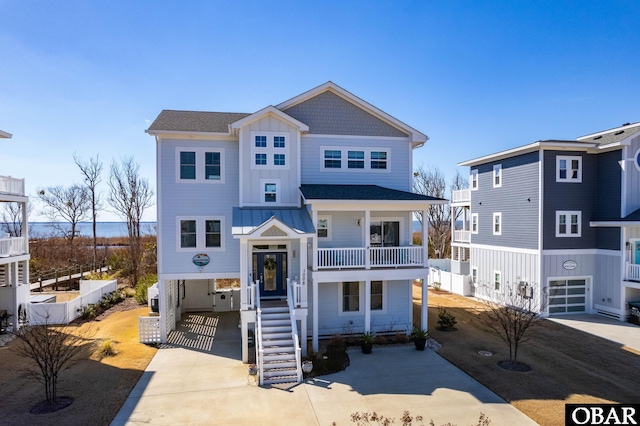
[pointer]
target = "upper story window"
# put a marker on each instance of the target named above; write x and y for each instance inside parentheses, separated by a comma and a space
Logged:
(198, 233)
(270, 192)
(497, 224)
(497, 176)
(474, 223)
(269, 150)
(212, 233)
(357, 158)
(568, 223)
(324, 227)
(474, 179)
(187, 233)
(568, 169)
(200, 165)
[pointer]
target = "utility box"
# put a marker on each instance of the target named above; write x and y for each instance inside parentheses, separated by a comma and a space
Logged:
(634, 315)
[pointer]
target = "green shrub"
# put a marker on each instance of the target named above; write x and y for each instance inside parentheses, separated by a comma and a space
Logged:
(446, 320)
(142, 287)
(88, 312)
(106, 347)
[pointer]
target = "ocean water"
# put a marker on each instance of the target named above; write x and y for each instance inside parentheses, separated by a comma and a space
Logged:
(85, 229)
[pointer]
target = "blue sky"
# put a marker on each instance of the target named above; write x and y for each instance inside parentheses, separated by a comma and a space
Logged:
(476, 76)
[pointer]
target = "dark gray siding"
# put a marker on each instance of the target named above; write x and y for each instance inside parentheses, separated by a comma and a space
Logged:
(517, 200)
(608, 201)
(608, 238)
(571, 197)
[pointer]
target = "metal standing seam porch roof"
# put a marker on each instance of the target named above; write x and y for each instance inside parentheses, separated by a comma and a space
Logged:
(246, 219)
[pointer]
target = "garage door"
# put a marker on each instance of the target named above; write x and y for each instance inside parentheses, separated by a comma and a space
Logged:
(567, 296)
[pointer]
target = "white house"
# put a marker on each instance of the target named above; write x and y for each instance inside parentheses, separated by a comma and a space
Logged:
(309, 202)
(14, 257)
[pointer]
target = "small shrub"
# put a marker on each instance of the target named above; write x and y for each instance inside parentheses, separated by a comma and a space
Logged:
(106, 347)
(436, 285)
(446, 320)
(88, 312)
(128, 292)
(142, 287)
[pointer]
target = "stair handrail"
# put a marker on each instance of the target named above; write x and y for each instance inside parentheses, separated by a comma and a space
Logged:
(294, 330)
(258, 334)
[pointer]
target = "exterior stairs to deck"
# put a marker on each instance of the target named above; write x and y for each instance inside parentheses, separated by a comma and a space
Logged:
(279, 359)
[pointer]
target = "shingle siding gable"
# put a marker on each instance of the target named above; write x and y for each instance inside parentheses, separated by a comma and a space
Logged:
(330, 114)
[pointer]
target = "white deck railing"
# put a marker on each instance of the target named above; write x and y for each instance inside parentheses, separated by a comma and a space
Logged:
(258, 334)
(379, 257)
(299, 294)
(12, 246)
(633, 272)
(294, 330)
(9, 185)
(461, 196)
(462, 236)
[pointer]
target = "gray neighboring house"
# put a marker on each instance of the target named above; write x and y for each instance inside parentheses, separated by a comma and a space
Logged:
(559, 218)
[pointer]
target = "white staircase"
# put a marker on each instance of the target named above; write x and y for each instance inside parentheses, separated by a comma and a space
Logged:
(279, 349)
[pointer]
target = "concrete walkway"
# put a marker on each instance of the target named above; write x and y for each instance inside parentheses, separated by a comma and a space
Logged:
(607, 328)
(209, 385)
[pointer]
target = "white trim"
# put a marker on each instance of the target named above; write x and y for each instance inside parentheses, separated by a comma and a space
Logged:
(329, 227)
(200, 165)
(199, 275)
(477, 223)
(171, 134)
(493, 282)
(474, 282)
(497, 173)
(473, 178)
(493, 223)
(270, 110)
(504, 248)
(604, 132)
(344, 159)
(263, 192)
(384, 299)
(568, 224)
(562, 252)
(200, 233)
(159, 211)
(356, 137)
(341, 311)
(569, 159)
(587, 293)
(270, 150)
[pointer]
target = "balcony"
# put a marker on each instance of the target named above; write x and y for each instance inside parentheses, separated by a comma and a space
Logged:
(13, 186)
(374, 257)
(12, 246)
(462, 236)
(633, 272)
(461, 196)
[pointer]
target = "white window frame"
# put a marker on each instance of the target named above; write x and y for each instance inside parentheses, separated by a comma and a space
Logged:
(270, 150)
(263, 191)
(360, 311)
(474, 276)
(497, 175)
(569, 159)
(344, 159)
(384, 299)
(499, 281)
(329, 235)
(568, 214)
(200, 165)
(200, 234)
(493, 223)
(477, 223)
(473, 179)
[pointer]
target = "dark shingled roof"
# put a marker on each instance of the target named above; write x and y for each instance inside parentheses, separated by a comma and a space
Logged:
(614, 135)
(360, 192)
(195, 121)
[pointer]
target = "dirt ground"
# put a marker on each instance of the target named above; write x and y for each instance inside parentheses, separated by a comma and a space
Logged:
(99, 386)
(568, 366)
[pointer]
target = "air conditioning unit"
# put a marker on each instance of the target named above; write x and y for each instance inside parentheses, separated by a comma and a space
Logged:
(525, 290)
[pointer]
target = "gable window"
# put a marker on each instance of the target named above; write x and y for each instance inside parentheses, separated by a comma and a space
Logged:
(212, 165)
(474, 223)
(261, 159)
(474, 179)
(278, 141)
(187, 165)
(351, 296)
(497, 176)
(568, 169)
(568, 223)
(260, 141)
(278, 160)
(378, 159)
(497, 224)
(497, 280)
(187, 233)
(270, 191)
(332, 159)
(212, 233)
(474, 276)
(355, 159)
(324, 227)
(376, 295)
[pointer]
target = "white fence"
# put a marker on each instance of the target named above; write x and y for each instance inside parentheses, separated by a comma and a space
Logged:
(454, 283)
(65, 312)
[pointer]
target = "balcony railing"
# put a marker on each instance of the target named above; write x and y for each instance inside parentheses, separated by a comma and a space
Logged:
(462, 236)
(461, 196)
(378, 257)
(633, 272)
(12, 246)
(11, 185)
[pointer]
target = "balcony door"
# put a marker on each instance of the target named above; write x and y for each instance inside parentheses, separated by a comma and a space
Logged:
(384, 234)
(636, 252)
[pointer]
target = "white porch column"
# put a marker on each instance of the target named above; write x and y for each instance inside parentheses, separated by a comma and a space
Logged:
(314, 285)
(314, 264)
(303, 262)
(244, 274)
(367, 239)
(367, 306)
(303, 334)
(244, 329)
(424, 318)
(162, 307)
(425, 239)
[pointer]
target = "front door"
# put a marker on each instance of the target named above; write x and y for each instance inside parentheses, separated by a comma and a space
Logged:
(271, 270)
(636, 252)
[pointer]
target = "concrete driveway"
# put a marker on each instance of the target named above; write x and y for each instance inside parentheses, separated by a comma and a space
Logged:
(198, 380)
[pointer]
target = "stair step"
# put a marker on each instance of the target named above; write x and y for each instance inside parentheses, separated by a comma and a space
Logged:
(278, 309)
(267, 343)
(279, 357)
(276, 322)
(279, 350)
(279, 364)
(281, 379)
(278, 315)
(276, 336)
(279, 373)
(276, 329)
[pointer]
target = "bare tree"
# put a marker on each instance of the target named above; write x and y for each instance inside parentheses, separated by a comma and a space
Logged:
(72, 204)
(11, 221)
(53, 349)
(511, 313)
(91, 171)
(430, 181)
(130, 195)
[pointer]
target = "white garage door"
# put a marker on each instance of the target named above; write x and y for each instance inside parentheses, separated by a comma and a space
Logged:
(567, 296)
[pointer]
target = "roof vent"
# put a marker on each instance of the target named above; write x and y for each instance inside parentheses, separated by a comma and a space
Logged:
(619, 133)
(597, 137)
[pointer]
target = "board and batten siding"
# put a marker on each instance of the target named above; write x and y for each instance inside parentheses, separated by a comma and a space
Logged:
(632, 177)
(397, 176)
(517, 199)
(513, 267)
(180, 199)
(252, 191)
(396, 316)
